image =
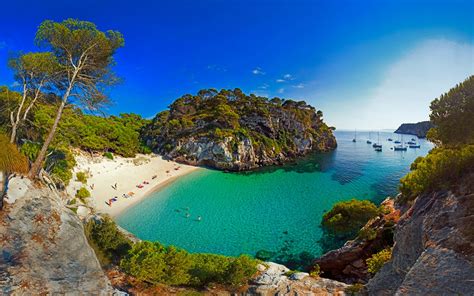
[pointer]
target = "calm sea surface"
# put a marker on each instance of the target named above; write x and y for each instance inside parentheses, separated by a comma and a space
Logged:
(277, 209)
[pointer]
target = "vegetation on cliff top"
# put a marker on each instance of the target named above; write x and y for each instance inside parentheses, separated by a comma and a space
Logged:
(453, 115)
(272, 125)
(346, 218)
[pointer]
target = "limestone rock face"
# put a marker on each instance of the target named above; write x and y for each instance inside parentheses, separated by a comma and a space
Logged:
(273, 281)
(434, 247)
(44, 249)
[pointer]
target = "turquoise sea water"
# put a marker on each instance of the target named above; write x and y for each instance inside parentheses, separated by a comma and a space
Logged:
(277, 209)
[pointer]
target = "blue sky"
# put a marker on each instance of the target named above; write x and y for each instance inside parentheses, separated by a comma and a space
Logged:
(366, 64)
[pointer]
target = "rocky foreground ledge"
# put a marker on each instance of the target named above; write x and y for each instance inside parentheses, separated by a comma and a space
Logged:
(276, 280)
(44, 249)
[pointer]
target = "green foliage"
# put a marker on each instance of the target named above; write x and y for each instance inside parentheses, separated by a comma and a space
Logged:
(437, 170)
(315, 271)
(108, 242)
(375, 263)
(117, 134)
(83, 193)
(347, 217)
(367, 233)
(240, 270)
(453, 115)
(30, 150)
(108, 155)
(59, 164)
(208, 268)
(153, 263)
(82, 177)
(231, 114)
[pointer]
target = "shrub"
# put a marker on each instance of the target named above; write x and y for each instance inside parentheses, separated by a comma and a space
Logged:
(11, 160)
(109, 155)
(82, 177)
(367, 233)
(437, 170)
(30, 150)
(375, 263)
(108, 242)
(315, 271)
(83, 193)
(240, 270)
(154, 264)
(208, 268)
(60, 163)
(453, 115)
(347, 217)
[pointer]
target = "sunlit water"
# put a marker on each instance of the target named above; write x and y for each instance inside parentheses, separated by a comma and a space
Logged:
(277, 209)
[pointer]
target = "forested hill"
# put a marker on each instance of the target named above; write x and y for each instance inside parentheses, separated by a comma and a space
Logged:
(419, 129)
(230, 130)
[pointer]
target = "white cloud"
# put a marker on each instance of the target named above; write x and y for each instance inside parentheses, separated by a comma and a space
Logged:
(299, 85)
(264, 86)
(281, 90)
(258, 71)
(15, 84)
(285, 78)
(406, 89)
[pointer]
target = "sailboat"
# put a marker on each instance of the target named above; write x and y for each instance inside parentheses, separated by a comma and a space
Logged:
(400, 147)
(377, 145)
(355, 136)
(369, 141)
(397, 141)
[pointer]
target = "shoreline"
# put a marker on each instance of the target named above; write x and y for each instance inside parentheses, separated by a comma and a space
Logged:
(147, 193)
(111, 179)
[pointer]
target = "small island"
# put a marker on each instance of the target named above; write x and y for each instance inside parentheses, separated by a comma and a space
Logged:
(232, 131)
(419, 129)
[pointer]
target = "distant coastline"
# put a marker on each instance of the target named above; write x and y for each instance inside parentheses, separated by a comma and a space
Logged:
(419, 129)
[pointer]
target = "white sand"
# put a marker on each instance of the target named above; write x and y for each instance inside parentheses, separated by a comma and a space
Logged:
(126, 173)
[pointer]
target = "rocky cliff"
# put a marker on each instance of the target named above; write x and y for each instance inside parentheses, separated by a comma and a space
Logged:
(232, 131)
(419, 129)
(348, 263)
(44, 250)
(434, 246)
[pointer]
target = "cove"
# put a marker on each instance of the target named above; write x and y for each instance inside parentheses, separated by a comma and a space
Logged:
(274, 209)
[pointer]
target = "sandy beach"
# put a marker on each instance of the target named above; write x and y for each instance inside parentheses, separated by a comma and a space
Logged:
(114, 178)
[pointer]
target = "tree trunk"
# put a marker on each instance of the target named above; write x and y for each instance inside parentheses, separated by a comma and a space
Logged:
(13, 136)
(3, 187)
(38, 164)
(17, 120)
